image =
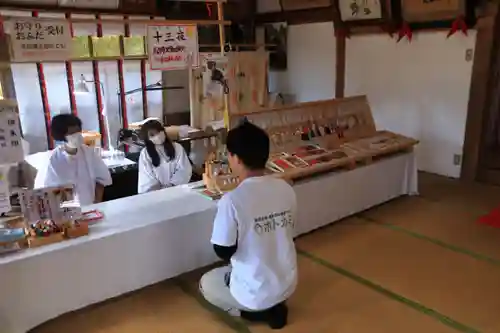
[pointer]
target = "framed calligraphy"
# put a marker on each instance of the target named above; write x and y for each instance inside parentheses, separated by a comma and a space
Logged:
(432, 10)
(132, 6)
(304, 4)
(422, 14)
(32, 2)
(95, 4)
(172, 47)
(362, 11)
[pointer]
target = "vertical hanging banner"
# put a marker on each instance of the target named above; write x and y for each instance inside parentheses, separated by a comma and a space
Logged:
(11, 148)
(37, 40)
(171, 47)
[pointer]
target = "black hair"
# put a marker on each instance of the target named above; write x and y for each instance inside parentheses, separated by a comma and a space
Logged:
(250, 144)
(151, 147)
(61, 123)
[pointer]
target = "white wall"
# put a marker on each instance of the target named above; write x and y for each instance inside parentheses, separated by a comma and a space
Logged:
(418, 89)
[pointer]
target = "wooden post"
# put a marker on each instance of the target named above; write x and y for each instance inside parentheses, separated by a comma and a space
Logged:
(222, 41)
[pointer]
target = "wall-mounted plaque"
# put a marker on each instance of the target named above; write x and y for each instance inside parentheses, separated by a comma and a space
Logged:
(431, 10)
(131, 6)
(304, 4)
(96, 4)
(360, 10)
(31, 2)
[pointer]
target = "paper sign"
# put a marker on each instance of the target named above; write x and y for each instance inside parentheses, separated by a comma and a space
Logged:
(172, 47)
(4, 190)
(11, 148)
(36, 40)
(101, 4)
(215, 84)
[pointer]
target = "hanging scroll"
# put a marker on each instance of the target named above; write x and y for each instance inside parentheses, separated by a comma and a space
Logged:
(37, 40)
(96, 4)
(172, 47)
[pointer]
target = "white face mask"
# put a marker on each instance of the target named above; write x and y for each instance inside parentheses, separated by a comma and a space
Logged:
(74, 140)
(158, 139)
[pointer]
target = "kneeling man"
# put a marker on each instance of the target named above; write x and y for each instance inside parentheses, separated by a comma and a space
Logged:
(253, 230)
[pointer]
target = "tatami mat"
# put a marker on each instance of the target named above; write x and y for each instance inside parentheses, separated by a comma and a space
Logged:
(356, 276)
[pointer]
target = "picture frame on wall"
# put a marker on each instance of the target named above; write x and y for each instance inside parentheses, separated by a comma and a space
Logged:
(362, 12)
(432, 10)
(433, 14)
(304, 4)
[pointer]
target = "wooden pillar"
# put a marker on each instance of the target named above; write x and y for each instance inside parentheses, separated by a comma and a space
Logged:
(478, 93)
(222, 41)
(340, 64)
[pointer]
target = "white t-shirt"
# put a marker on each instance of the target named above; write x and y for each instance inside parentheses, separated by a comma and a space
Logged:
(173, 172)
(83, 170)
(259, 217)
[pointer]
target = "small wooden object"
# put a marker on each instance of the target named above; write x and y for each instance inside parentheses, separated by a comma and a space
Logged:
(77, 230)
(215, 178)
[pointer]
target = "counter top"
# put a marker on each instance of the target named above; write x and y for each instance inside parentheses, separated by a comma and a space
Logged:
(130, 213)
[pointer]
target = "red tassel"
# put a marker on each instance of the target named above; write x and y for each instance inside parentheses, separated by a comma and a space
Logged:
(405, 31)
(458, 24)
(209, 9)
(2, 31)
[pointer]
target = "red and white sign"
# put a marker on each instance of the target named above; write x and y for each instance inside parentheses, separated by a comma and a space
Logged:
(172, 47)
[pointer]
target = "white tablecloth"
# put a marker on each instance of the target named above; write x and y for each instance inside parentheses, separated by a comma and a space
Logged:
(155, 236)
(331, 197)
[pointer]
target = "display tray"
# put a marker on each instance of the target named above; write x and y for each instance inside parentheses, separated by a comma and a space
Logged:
(380, 144)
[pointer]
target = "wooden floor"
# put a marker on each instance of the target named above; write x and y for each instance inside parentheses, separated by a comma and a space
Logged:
(416, 264)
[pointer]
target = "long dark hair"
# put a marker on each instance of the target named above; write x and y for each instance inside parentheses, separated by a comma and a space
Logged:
(151, 147)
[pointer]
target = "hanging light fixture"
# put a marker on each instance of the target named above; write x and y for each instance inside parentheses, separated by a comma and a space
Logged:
(81, 86)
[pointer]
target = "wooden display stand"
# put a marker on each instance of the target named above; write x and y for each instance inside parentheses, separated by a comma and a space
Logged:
(344, 129)
(216, 178)
(245, 74)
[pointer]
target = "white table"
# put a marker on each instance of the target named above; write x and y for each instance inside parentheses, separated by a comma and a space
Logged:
(155, 236)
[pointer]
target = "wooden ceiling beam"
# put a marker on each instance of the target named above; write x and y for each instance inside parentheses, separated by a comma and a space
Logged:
(303, 16)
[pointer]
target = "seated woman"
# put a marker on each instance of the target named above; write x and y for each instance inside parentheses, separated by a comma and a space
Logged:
(162, 163)
(74, 163)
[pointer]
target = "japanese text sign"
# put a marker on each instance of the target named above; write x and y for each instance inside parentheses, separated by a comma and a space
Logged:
(11, 148)
(172, 47)
(36, 40)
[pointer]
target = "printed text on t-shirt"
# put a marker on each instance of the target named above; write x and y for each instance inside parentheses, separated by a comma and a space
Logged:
(269, 223)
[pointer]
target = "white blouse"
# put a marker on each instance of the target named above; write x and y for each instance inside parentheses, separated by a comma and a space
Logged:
(169, 173)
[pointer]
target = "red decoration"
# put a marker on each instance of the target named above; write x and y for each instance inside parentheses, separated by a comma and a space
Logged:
(405, 31)
(1, 27)
(342, 33)
(458, 24)
(209, 9)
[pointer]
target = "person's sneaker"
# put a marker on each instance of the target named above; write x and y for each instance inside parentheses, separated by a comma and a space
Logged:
(276, 317)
